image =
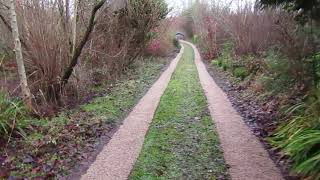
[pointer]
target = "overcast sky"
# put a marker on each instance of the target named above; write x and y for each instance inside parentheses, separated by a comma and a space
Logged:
(178, 5)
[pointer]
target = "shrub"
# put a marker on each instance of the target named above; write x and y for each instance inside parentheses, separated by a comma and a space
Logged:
(276, 77)
(225, 65)
(240, 72)
(120, 34)
(215, 63)
(224, 60)
(127, 33)
(227, 48)
(276, 64)
(153, 46)
(162, 40)
(275, 85)
(12, 116)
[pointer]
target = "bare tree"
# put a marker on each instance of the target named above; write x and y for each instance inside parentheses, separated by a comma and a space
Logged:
(74, 25)
(19, 58)
(78, 49)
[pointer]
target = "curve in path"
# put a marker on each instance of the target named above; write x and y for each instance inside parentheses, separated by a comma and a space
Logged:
(116, 159)
(243, 152)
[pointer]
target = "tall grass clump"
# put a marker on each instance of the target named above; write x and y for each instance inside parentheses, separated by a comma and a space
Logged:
(299, 137)
(12, 116)
(224, 60)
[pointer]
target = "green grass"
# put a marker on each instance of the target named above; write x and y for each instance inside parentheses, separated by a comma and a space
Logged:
(181, 142)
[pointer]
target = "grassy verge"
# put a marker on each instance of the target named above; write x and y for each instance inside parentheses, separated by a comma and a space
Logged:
(181, 142)
(52, 147)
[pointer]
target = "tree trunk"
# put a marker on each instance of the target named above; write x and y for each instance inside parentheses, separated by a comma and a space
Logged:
(8, 26)
(78, 49)
(19, 58)
(74, 25)
(67, 11)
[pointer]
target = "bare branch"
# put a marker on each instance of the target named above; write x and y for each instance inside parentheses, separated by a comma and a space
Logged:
(78, 50)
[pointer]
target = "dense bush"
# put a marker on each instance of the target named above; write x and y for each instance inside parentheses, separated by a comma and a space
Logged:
(276, 77)
(215, 62)
(225, 58)
(120, 34)
(240, 72)
(163, 40)
(302, 9)
(125, 34)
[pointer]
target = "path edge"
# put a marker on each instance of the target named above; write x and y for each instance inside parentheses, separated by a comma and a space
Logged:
(243, 167)
(116, 160)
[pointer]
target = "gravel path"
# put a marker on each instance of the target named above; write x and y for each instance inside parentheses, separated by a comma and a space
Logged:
(243, 152)
(246, 157)
(117, 158)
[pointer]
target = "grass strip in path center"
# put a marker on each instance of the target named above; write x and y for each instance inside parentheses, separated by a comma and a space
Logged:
(181, 142)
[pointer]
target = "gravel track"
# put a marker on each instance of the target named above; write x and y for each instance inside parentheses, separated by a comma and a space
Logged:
(244, 154)
(246, 157)
(117, 158)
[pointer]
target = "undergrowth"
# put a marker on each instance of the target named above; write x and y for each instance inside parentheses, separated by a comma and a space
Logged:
(51, 147)
(13, 116)
(299, 136)
(275, 77)
(272, 74)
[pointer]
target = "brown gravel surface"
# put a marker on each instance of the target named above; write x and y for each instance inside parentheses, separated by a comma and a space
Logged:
(246, 157)
(117, 158)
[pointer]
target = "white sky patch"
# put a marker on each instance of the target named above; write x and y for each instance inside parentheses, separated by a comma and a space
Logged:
(179, 5)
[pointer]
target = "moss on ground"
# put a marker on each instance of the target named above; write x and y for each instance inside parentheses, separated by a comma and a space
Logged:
(181, 142)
